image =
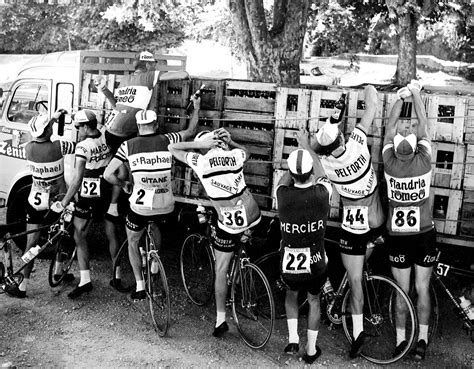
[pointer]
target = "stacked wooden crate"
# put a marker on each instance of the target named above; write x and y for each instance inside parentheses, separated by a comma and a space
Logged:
(467, 209)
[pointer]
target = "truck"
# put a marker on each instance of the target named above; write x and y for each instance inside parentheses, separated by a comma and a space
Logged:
(62, 80)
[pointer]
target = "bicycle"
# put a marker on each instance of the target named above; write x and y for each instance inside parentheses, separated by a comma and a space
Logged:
(58, 235)
(380, 293)
(156, 282)
(250, 294)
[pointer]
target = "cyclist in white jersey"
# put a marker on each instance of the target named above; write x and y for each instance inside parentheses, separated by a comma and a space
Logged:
(411, 232)
(92, 156)
(45, 159)
(149, 162)
(349, 167)
(220, 170)
(132, 95)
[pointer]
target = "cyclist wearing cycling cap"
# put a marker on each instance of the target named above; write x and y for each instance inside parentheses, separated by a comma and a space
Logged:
(412, 236)
(92, 156)
(303, 195)
(152, 199)
(45, 160)
(132, 95)
(220, 169)
(349, 167)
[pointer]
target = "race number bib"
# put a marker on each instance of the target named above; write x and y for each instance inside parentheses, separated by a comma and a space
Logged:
(90, 187)
(234, 217)
(356, 217)
(110, 118)
(296, 261)
(142, 197)
(406, 219)
(39, 199)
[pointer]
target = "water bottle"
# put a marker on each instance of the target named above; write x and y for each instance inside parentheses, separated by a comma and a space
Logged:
(467, 307)
(30, 255)
(154, 266)
(328, 291)
(143, 253)
(338, 111)
(201, 210)
(198, 93)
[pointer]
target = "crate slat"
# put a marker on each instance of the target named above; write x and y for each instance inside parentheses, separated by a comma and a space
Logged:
(450, 112)
(249, 96)
(469, 168)
(448, 165)
(445, 206)
(466, 227)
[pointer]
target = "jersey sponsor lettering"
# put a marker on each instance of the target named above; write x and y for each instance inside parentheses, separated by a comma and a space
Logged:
(295, 228)
(222, 161)
(351, 169)
(43, 171)
(134, 96)
(408, 190)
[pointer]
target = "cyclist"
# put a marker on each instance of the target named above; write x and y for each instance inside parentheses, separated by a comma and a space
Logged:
(45, 159)
(149, 163)
(92, 156)
(132, 95)
(303, 195)
(220, 169)
(412, 237)
(349, 167)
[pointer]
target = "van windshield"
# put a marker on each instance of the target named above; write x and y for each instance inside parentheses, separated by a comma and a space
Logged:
(28, 100)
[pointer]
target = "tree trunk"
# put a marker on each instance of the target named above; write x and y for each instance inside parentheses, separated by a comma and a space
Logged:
(272, 55)
(406, 63)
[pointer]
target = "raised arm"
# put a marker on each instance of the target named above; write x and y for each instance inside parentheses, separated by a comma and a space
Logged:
(191, 130)
(303, 140)
(224, 135)
(422, 131)
(174, 75)
(180, 149)
(391, 126)
(102, 87)
(371, 100)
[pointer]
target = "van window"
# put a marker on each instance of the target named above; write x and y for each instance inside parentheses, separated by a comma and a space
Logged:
(28, 100)
(65, 96)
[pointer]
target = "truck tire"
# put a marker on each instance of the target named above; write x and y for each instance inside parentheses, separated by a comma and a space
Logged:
(16, 212)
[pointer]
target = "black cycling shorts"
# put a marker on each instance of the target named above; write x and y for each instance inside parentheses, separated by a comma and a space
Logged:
(356, 244)
(94, 207)
(114, 141)
(312, 285)
(34, 216)
(419, 249)
(136, 222)
(223, 241)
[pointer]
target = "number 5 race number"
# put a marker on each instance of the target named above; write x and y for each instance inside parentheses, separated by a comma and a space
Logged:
(39, 200)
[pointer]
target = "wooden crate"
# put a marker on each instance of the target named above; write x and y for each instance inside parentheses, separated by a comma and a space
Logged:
(448, 164)
(467, 214)
(448, 113)
(177, 175)
(469, 168)
(211, 95)
(249, 96)
(172, 120)
(469, 125)
(174, 93)
(445, 206)
(192, 185)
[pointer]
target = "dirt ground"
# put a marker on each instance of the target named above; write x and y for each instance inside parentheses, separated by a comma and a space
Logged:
(106, 329)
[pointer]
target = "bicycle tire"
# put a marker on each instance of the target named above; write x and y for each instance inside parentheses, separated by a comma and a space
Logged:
(158, 294)
(269, 264)
(196, 264)
(123, 279)
(378, 323)
(65, 253)
(252, 305)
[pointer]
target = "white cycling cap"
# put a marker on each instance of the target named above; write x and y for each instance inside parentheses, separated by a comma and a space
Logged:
(203, 135)
(300, 162)
(327, 134)
(145, 116)
(38, 124)
(146, 57)
(84, 116)
(404, 146)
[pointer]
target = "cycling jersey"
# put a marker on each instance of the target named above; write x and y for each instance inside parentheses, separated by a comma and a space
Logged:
(354, 178)
(97, 155)
(150, 164)
(46, 163)
(303, 213)
(221, 174)
(133, 94)
(408, 190)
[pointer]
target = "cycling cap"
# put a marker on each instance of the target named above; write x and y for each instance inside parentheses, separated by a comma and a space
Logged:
(84, 116)
(146, 57)
(145, 116)
(300, 162)
(327, 134)
(203, 135)
(404, 146)
(38, 124)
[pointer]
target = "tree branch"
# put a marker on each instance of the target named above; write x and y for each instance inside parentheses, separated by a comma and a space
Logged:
(279, 16)
(242, 28)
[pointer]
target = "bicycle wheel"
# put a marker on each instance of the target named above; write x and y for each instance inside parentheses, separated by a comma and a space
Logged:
(197, 268)
(123, 278)
(62, 259)
(379, 293)
(158, 294)
(252, 305)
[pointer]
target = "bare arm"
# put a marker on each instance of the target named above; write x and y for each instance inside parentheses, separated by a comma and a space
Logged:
(173, 75)
(285, 180)
(303, 140)
(102, 87)
(391, 127)
(180, 149)
(224, 135)
(371, 100)
(111, 171)
(422, 127)
(191, 130)
(76, 181)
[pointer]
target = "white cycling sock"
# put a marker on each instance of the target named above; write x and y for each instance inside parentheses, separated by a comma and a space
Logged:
(113, 209)
(293, 331)
(357, 325)
(400, 335)
(312, 338)
(220, 318)
(140, 286)
(23, 284)
(423, 334)
(85, 277)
